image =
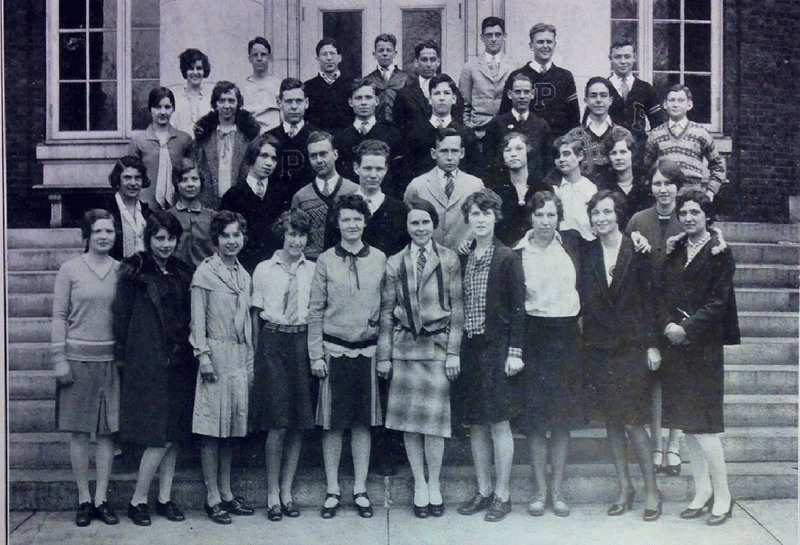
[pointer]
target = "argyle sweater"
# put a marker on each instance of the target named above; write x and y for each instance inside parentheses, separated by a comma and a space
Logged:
(688, 148)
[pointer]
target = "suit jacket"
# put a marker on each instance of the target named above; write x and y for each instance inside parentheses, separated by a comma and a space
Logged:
(422, 138)
(648, 225)
(111, 206)
(260, 214)
(387, 91)
(409, 314)
(411, 106)
(624, 313)
(704, 291)
(540, 139)
(452, 229)
(482, 91)
(505, 299)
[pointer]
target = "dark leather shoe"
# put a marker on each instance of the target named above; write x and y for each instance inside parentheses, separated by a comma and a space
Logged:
(84, 515)
(217, 514)
(498, 510)
(436, 510)
(363, 512)
(238, 507)
(290, 509)
(422, 512)
(618, 509)
(139, 514)
(330, 512)
(477, 503)
(716, 520)
(654, 514)
(105, 513)
(274, 513)
(170, 511)
(690, 513)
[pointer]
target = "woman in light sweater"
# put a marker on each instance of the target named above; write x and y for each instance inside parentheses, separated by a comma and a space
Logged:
(83, 359)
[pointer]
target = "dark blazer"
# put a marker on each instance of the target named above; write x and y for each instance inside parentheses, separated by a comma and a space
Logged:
(704, 291)
(328, 106)
(411, 106)
(260, 215)
(349, 138)
(387, 91)
(640, 196)
(540, 139)
(111, 206)
(648, 225)
(505, 299)
(516, 220)
(422, 138)
(624, 313)
(294, 169)
(143, 327)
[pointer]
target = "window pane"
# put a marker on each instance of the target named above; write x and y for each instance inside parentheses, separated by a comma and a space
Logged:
(624, 9)
(667, 9)
(72, 55)
(419, 25)
(698, 10)
(666, 46)
(621, 31)
(145, 56)
(701, 98)
(103, 106)
(345, 28)
(662, 82)
(698, 48)
(72, 107)
(145, 13)
(103, 13)
(140, 114)
(102, 55)
(72, 14)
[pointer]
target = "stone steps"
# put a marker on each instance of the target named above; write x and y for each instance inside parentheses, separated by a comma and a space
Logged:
(40, 259)
(54, 489)
(768, 299)
(43, 238)
(760, 252)
(757, 275)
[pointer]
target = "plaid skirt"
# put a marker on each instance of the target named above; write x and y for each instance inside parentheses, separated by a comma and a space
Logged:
(419, 398)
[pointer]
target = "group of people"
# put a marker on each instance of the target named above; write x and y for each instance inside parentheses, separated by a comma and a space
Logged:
(408, 255)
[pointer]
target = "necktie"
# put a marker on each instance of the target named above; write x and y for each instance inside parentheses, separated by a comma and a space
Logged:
(543, 68)
(421, 260)
(292, 131)
(363, 128)
(261, 188)
(439, 123)
(164, 189)
(624, 89)
(290, 308)
(450, 185)
(386, 74)
(326, 188)
(523, 118)
(494, 67)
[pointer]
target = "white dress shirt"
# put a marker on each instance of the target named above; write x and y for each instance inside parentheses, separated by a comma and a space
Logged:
(574, 198)
(550, 279)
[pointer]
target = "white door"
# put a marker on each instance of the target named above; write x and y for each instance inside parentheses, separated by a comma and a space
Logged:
(352, 23)
(413, 21)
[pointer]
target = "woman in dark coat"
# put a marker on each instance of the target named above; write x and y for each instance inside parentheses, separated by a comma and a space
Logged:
(620, 343)
(491, 353)
(128, 177)
(624, 176)
(151, 329)
(698, 317)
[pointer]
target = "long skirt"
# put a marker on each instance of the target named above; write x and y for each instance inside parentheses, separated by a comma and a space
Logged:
(419, 398)
(91, 403)
(281, 396)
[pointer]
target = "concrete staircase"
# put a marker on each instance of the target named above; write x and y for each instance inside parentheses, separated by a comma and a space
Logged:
(761, 401)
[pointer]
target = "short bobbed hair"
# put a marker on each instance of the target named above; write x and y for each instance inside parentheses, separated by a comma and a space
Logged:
(539, 199)
(222, 219)
(693, 194)
(186, 165)
(157, 94)
(189, 57)
(90, 217)
(512, 135)
(294, 219)
(671, 170)
(619, 205)
(485, 199)
(128, 161)
(158, 220)
(224, 87)
(425, 206)
(350, 201)
(619, 134)
(255, 145)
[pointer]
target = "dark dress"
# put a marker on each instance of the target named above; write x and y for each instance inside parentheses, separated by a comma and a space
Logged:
(516, 220)
(151, 328)
(550, 390)
(640, 196)
(483, 394)
(693, 377)
(619, 325)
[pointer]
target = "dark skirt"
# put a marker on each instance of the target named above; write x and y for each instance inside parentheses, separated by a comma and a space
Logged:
(348, 396)
(281, 395)
(618, 382)
(692, 388)
(550, 389)
(483, 394)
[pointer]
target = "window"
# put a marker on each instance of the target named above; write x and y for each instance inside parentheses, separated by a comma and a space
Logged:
(679, 41)
(103, 62)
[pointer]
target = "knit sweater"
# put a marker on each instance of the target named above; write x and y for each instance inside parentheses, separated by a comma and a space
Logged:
(688, 148)
(82, 316)
(317, 205)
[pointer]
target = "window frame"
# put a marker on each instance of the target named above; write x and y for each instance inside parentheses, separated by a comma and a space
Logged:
(644, 52)
(124, 87)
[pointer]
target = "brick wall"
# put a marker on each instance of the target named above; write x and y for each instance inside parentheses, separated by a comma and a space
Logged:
(762, 61)
(25, 114)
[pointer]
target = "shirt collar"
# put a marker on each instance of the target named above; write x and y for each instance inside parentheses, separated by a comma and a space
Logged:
(332, 77)
(525, 242)
(492, 58)
(277, 257)
(287, 126)
(679, 124)
(226, 130)
(389, 69)
(616, 81)
(252, 181)
(428, 248)
(517, 115)
(374, 202)
(341, 252)
(442, 176)
(538, 67)
(370, 123)
(197, 206)
(598, 128)
(435, 120)
(332, 181)
(423, 84)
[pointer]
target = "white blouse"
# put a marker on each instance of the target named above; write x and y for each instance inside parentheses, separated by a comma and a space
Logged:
(550, 279)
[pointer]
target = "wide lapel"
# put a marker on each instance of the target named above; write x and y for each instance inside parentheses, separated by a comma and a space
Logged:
(621, 266)
(435, 188)
(483, 68)
(430, 266)
(212, 154)
(599, 269)
(410, 292)
(459, 189)
(506, 67)
(422, 102)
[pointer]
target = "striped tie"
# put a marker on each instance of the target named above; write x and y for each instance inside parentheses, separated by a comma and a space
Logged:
(421, 260)
(450, 185)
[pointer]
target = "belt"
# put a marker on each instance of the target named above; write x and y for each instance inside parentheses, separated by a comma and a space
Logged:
(349, 344)
(426, 333)
(280, 328)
